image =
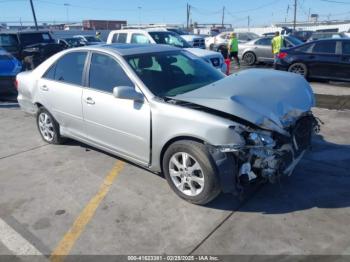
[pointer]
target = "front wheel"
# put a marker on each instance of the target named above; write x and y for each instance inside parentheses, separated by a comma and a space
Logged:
(298, 68)
(48, 127)
(191, 172)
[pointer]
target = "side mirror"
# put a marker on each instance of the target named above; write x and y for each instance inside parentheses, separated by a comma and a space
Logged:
(127, 92)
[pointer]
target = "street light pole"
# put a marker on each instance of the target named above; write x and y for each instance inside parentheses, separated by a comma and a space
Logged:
(34, 16)
(295, 14)
(67, 11)
(139, 8)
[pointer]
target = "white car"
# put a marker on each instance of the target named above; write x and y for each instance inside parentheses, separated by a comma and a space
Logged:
(157, 36)
(215, 42)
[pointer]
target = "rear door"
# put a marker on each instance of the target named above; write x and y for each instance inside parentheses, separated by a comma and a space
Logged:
(60, 91)
(344, 71)
(323, 61)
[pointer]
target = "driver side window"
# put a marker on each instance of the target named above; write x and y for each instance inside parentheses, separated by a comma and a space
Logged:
(106, 73)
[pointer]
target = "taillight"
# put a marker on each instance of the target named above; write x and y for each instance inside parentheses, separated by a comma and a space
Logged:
(282, 55)
(16, 83)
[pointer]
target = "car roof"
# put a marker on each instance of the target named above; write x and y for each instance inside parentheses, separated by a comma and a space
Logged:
(131, 49)
(25, 32)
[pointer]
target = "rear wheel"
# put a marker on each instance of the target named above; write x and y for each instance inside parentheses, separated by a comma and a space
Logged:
(249, 58)
(48, 127)
(191, 172)
(298, 68)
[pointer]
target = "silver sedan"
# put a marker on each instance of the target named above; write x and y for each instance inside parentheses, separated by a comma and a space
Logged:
(165, 109)
(260, 50)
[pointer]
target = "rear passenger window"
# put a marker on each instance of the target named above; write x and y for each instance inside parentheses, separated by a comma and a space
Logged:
(106, 73)
(346, 48)
(50, 74)
(120, 38)
(69, 68)
(326, 47)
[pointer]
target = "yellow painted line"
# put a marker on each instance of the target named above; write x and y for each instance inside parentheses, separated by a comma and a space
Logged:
(69, 239)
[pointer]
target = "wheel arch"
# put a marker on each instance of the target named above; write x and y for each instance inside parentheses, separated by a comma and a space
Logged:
(225, 163)
(172, 141)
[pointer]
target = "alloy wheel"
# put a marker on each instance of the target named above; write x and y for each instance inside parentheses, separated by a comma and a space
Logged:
(46, 127)
(249, 58)
(298, 69)
(186, 174)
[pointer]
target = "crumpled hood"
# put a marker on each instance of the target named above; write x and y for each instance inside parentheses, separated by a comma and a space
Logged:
(267, 98)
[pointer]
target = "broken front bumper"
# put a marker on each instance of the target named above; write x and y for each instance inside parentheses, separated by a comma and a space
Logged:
(269, 155)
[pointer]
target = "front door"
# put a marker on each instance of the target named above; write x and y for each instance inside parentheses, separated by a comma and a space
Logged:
(263, 49)
(120, 125)
(61, 90)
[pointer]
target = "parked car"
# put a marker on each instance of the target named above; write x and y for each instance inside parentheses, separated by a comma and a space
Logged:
(260, 50)
(9, 68)
(30, 47)
(154, 36)
(89, 39)
(326, 35)
(221, 40)
(70, 42)
(166, 110)
(322, 59)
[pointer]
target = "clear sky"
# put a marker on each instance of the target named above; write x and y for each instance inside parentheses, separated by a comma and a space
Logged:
(261, 12)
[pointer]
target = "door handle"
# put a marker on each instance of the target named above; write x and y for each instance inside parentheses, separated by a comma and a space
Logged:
(89, 101)
(44, 88)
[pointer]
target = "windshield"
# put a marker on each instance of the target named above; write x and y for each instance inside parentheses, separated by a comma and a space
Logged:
(92, 39)
(35, 38)
(168, 74)
(8, 40)
(295, 41)
(73, 41)
(169, 38)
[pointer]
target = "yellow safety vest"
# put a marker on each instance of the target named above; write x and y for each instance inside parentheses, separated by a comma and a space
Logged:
(277, 43)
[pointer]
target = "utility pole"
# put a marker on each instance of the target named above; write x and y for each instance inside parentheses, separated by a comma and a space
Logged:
(188, 15)
(223, 17)
(248, 23)
(295, 14)
(34, 16)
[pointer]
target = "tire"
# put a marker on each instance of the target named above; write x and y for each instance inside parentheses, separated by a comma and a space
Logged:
(211, 47)
(249, 58)
(299, 68)
(48, 127)
(196, 181)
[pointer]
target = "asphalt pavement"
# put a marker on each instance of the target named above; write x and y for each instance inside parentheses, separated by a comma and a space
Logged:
(75, 200)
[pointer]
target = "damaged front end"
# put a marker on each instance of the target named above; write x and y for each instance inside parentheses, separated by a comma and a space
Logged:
(268, 155)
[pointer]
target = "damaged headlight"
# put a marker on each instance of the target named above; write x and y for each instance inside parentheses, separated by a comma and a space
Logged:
(261, 139)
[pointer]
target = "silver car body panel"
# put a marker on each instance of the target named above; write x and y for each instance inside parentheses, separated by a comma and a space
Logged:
(269, 99)
(263, 53)
(140, 132)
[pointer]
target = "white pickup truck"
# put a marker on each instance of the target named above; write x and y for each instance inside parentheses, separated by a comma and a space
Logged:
(156, 36)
